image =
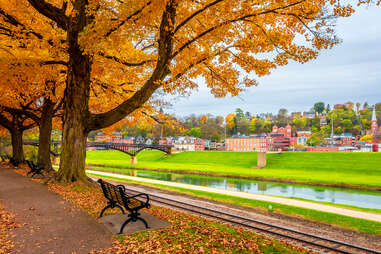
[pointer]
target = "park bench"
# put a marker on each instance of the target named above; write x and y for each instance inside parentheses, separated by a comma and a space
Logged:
(10, 160)
(117, 197)
(5, 157)
(34, 169)
(13, 161)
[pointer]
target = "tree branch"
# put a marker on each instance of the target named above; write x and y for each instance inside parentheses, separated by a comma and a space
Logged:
(185, 45)
(5, 122)
(99, 121)
(195, 14)
(53, 62)
(127, 19)
(153, 117)
(118, 60)
(51, 12)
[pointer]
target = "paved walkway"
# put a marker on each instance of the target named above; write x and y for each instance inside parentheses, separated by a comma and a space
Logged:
(285, 201)
(48, 223)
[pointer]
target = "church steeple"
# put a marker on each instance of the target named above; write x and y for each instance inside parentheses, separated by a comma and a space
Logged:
(374, 124)
(374, 114)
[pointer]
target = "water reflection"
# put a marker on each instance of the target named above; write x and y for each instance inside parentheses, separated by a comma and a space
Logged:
(317, 193)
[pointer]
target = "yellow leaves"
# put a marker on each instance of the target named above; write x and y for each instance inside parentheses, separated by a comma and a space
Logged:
(229, 119)
(186, 234)
(343, 11)
(7, 223)
(203, 119)
(227, 43)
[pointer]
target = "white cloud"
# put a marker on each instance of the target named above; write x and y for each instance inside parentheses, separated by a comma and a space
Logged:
(349, 72)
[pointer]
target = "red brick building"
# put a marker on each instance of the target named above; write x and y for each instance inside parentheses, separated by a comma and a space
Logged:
(240, 143)
(286, 132)
(269, 142)
(377, 136)
(322, 149)
(199, 144)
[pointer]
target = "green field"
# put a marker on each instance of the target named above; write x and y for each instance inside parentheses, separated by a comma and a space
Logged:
(341, 169)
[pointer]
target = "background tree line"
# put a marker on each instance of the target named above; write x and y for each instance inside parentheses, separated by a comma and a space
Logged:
(347, 118)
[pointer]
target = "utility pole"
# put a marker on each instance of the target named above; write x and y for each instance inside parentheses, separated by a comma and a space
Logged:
(225, 134)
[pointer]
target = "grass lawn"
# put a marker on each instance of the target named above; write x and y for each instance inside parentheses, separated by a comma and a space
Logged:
(357, 169)
(361, 225)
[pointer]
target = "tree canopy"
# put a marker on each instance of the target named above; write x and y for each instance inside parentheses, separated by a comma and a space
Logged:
(137, 49)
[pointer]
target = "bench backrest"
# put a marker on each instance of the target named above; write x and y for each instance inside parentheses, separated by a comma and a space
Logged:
(111, 192)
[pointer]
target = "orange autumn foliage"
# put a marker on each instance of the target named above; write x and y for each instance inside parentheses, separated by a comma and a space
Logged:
(122, 55)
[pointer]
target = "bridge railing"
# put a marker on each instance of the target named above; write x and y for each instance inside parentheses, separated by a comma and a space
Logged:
(104, 144)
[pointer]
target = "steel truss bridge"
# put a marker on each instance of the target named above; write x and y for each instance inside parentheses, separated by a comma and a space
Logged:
(130, 149)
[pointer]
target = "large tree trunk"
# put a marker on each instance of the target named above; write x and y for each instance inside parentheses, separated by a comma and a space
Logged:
(17, 145)
(76, 113)
(45, 135)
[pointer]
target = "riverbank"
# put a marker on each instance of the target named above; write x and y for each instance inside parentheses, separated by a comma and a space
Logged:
(343, 170)
(369, 201)
(329, 218)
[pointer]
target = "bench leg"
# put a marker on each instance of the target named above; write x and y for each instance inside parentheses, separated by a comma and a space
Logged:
(144, 221)
(124, 224)
(134, 219)
(110, 206)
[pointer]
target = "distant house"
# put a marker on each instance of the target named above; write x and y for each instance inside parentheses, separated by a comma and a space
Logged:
(184, 143)
(115, 137)
(296, 114)
(302, 137)
(166, 141)
(339, 106)
(309, 114)
(286, 132)
(323, 121)
(346, 139)
(139, 140)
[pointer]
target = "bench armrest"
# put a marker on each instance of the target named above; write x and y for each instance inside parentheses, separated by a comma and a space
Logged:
(141, 195)
(121, 186)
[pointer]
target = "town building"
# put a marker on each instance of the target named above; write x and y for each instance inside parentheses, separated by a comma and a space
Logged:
(185, 143)
(116, 137)
(286, 132)
(309, 114)
(323, 121)
(302, 136)
(279, 139)
(345, 139)
(321, 149)
(296, 115)
(339, 106)
(240, 143)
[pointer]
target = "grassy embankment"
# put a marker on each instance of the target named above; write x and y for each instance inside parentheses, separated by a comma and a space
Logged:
(322, 188)
(361, 225)
(336, 169)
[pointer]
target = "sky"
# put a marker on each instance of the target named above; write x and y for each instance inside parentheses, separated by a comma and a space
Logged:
(351, 71)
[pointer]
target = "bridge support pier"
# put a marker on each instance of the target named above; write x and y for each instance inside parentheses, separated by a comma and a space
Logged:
(261, 160)
(133, 160)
